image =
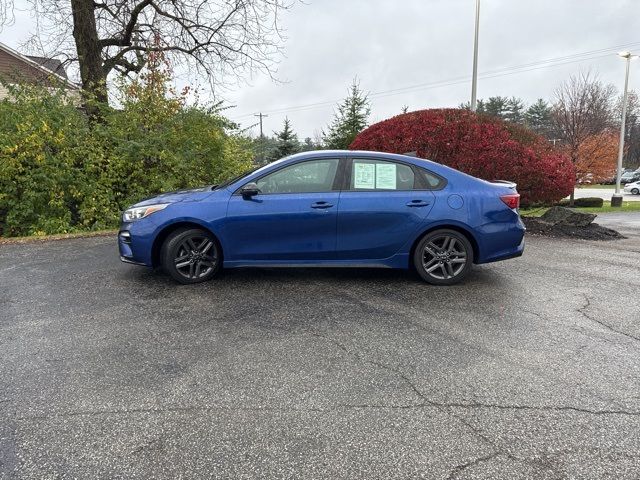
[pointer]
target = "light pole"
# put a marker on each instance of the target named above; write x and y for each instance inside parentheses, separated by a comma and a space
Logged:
(616, 199)
(474, 78)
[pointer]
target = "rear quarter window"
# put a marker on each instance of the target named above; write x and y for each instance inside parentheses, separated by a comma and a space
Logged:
(430, 180)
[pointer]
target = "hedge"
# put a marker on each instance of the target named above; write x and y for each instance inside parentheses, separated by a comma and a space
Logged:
(479, 145)
(62, 173)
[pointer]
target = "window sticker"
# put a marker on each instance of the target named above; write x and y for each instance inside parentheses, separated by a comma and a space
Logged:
(386, 176)
(364, 175)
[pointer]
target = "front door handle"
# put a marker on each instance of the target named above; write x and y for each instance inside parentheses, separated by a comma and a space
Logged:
(417, 203)
(321, 205)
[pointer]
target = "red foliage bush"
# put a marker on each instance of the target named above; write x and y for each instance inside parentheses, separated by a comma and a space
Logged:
(479, 145)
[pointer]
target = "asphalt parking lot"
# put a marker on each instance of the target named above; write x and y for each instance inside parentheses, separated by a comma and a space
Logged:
(530, 369)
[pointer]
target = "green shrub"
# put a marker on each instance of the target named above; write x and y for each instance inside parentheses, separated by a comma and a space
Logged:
(589, 202)
(583, 202)
(41, 155)
(60, 173)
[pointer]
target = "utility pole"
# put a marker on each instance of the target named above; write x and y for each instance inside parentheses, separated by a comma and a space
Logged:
(616, 199)
(261, 116)
(474, 78)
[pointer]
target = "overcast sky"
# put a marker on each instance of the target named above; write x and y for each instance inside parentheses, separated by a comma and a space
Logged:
(393, 45)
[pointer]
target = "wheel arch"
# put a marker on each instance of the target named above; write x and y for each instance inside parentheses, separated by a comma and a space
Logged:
(446, 226)
(172, 227)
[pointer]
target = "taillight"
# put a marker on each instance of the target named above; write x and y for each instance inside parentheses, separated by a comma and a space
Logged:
(511, 200)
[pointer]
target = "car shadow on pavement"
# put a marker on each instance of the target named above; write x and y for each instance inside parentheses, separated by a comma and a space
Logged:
(254, 276)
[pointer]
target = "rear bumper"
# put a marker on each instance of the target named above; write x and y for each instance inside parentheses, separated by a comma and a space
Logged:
(514, 253)
(501, 241)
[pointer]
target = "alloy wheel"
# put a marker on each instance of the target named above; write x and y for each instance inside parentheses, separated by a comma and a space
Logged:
(195, 257)
(444, 257)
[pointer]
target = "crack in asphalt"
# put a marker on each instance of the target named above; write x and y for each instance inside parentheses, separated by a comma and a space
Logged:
(471, 463)
(129, 411)
(582, 310)
(444, 406)
(429, 402)
(151, 444)
(423, 402)
(426, 404)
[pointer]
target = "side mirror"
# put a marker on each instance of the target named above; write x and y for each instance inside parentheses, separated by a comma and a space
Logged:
(250, 190)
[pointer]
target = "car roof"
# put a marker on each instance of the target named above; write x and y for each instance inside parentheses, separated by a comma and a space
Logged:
(435, 167)
(357, 153)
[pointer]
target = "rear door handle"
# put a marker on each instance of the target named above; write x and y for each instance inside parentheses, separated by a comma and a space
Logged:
(417, 203)
(321, 205)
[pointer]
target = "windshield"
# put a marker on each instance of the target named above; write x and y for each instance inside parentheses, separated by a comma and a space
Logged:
(236, 178)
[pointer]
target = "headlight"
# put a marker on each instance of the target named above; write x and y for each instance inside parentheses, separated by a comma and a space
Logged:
(137, 213)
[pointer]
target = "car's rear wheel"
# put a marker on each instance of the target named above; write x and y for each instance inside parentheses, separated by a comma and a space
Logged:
(443, 257)
(635, 191)
(191, 255)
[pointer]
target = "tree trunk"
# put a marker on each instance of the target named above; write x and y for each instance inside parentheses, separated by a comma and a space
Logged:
(85, 34)
(572, 197)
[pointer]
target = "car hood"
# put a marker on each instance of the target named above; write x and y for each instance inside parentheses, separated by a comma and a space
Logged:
(190, 195)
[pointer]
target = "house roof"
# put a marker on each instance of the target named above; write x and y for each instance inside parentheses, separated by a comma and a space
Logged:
(52, 64)
(49, 66)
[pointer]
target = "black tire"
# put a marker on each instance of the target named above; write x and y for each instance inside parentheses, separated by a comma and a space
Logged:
(443, 257)
(191, 255)
(635, 191)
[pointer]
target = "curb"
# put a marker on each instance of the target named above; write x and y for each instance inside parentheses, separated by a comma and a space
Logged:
(54, 238)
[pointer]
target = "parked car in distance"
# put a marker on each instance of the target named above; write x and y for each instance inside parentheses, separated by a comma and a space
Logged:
(633, 188)
(630, 177)
(625, 173)
(329, 209)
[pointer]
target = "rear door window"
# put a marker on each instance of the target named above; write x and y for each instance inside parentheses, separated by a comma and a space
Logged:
(370, 174)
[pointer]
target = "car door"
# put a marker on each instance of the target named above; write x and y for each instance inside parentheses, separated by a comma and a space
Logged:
(292, 218)
(382, 205)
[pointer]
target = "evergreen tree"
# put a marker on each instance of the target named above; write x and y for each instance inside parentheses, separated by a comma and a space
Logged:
(264, 149)
(514, 110)
(496, 106)
(350, 119)
(480, 107)
(286, 142)
(538, 118)
(308, 145)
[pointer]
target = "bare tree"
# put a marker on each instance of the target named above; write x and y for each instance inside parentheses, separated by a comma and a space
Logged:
(222, 39)
(632, 133)
(583, 109)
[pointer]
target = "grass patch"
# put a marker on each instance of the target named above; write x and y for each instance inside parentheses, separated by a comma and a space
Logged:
(626, 207)
(605, 187)
(533, 212)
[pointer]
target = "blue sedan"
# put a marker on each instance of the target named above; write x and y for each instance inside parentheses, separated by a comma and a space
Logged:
(329, 209)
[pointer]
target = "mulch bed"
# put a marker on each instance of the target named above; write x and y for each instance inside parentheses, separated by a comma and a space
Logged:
(536, 226)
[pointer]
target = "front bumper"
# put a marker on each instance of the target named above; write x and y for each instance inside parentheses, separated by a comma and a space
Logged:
(132, 262)
(135, 242)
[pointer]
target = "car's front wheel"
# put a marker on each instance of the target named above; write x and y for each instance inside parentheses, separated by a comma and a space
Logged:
(635, 191)
(190, 255)
(443, 257)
